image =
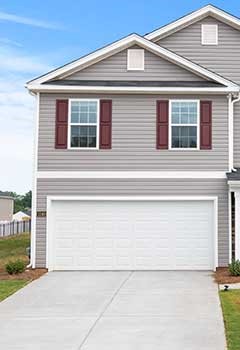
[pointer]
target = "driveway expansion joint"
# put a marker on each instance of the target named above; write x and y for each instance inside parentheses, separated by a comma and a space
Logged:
(105, 308)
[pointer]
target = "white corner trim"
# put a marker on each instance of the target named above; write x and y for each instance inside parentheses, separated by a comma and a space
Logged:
(131, 175)
(50, 199)
(230, 225)
(191, 18)
(118, 46)
(34, 185)
(237, 224)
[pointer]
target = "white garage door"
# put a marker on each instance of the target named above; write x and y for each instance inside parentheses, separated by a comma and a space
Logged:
(131, 235)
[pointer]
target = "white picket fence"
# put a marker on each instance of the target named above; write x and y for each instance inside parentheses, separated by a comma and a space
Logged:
(14, 228)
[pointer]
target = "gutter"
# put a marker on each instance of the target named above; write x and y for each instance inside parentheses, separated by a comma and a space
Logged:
(231, 100)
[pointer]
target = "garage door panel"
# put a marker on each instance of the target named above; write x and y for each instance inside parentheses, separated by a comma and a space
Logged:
(128, 235)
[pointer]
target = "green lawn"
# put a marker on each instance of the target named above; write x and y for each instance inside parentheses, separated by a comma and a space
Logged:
(231, 312)
(14, 248)
(9, 287)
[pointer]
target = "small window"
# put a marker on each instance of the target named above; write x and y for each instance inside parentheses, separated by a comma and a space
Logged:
(83, 124)
(209, 34)
(184, 117)
(135, 59)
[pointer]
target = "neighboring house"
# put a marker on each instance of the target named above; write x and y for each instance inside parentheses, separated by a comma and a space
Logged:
(137, 150)
(20, 215)
(6, 208)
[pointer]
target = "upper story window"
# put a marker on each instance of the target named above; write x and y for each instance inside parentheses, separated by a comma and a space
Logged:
(209, 34)
(184, 124)
(83, 128)
(135, 59)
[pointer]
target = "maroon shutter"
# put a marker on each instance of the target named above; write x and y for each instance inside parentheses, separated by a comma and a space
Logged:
(105, 124)
(205, 124)
(61, 123)
(162, 124)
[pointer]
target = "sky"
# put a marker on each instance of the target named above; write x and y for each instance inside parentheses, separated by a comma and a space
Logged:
(36, 37)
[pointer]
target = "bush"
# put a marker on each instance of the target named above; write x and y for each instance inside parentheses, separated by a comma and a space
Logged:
(234, 268)
(15, 267)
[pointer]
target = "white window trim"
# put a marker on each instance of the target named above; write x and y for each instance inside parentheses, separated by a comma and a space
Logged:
(170, 127)
(143, 60)
(70, 124)
(202, 36)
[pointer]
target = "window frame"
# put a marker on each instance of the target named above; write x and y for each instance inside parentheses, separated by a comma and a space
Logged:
(202, 35)
(143, 60)
(97, 124)
(172, 124)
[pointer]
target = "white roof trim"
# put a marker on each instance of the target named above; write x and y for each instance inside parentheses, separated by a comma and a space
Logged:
(120, 45)
(130, 89)
(205, 11)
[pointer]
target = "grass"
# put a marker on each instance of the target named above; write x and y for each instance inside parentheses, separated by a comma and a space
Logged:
(231, 312)
(13, 248)
(9, 287)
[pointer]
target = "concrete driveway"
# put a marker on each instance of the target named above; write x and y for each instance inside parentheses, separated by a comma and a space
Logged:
(113, 311)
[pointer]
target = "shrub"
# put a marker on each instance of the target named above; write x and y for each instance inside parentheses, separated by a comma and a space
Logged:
(15, 267)
(234, 268)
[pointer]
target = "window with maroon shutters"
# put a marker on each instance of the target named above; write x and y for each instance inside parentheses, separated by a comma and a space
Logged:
(61, 124)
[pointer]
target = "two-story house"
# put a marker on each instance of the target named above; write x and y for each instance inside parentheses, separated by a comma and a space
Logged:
(138, 149)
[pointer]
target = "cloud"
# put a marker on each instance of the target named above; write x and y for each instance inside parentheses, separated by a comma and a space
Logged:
(13, 60)
(4, 16)
(7, 41)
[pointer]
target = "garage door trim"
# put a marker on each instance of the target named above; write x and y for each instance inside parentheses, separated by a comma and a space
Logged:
(51, 199)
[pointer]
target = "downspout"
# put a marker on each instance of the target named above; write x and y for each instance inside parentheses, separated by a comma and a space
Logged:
(33, 228)
(231, 100)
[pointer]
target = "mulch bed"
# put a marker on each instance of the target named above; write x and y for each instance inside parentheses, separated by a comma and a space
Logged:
(222, 276)
(29, 274)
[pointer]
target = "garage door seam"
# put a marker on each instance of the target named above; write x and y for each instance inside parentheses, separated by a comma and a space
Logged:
(106, 307)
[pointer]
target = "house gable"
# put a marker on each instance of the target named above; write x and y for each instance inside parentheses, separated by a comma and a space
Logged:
(223, 58)
(41, 83)
(115, 68)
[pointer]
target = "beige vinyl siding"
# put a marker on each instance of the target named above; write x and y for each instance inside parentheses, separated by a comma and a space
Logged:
(236, 133)
(158, 187)
(133, 138)
(115, 68)
(223, 58)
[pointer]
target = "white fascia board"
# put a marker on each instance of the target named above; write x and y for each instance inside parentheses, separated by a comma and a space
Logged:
(208, 10)
(125, 89)
(118, 46)
(131, 175)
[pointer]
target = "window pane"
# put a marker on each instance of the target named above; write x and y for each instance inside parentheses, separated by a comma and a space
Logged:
(93, 107)
(83, 117)
(92, 117)
(184, 112)
(175, 118)
(84, 112)
(74, 117)
(184, 136)
(83, 136)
